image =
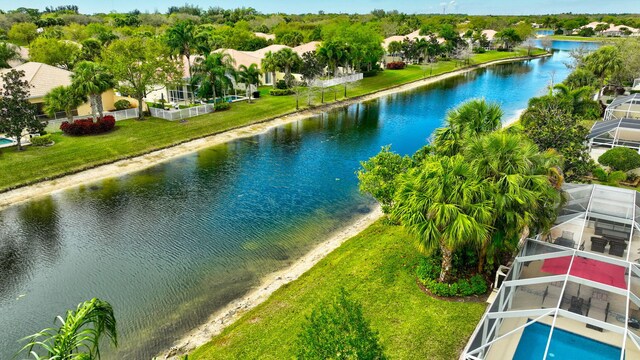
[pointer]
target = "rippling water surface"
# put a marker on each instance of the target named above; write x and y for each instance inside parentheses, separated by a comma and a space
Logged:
(169, 245)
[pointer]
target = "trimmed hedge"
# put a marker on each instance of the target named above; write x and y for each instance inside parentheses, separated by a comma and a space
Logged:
(43, 140)
(122, 104)
(280, 92)
(396, 65)
(428, 271)
(222, 106)
(88, 127)
(620, 158)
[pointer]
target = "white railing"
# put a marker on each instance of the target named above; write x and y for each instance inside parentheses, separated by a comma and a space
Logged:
(337, 80)
(122, 114)
(54, 124)
(181, 113)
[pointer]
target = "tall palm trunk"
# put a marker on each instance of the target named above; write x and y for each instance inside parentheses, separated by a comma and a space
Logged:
(94, 106)
(273, 79)
(99, 107)
(447, 260)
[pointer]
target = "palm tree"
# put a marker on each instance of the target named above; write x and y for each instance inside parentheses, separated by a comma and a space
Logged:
(579, 98)
(249, 76)
(509, 37)
(63, 98)
(212, 71)
(92, 80)
(270, 64)
(474, 117)
(522, 183)
(333, 54)
(181, 38)
(8, 52)
(445, 205)
(79, 334)
(604, 62)
(287, 61)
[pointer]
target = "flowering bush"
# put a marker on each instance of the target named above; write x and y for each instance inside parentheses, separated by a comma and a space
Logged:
(396, 65)
(88, 127)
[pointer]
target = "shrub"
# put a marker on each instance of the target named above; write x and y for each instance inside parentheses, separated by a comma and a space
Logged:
(281, 84)
(396, 65)
(338, 331)
(222, 106)
(122, 104)
(428, 271)
(88, 127)
(600, 174)
(620, 158)
(280, 92)
(479, 50)
(43, 140)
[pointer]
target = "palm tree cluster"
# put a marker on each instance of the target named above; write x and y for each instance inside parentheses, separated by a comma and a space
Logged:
(284, 60)
(476, 186)
(90, 80)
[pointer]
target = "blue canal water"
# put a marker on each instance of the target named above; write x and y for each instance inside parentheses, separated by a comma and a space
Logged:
(169, 245)
(563, 345)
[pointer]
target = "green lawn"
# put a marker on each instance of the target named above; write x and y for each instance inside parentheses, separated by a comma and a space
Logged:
(132, 137)
(377, 269)
(579, 38)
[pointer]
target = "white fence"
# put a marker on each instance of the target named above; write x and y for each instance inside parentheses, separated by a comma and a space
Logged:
(123, 114)
(181, 113)
(54, 124)
(337, 80)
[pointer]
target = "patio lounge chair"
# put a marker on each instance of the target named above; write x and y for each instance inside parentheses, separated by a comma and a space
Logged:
(566, 239)
(598, 244)
(617, 248)
(599, 310)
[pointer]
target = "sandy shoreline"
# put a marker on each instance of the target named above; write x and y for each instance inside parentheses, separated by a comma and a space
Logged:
(123, 167)
(230, 313)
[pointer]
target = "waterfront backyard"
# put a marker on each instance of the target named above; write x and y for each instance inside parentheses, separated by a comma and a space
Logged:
(182, 239)
(133, 138)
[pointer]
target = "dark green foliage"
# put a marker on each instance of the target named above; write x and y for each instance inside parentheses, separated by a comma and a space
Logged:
(222, 106)
(620, 158)
(377, 176)
(550, 125)
(280, 92)
(122, 104)
(579, 78)
(281, 85)
(428, 271)
(586, 32)
(43, 140)
(338, 331)
(16, 112)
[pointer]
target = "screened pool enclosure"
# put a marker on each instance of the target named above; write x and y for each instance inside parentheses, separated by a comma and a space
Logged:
(574, 291)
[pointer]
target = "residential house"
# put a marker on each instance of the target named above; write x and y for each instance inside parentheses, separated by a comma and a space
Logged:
(43, 78)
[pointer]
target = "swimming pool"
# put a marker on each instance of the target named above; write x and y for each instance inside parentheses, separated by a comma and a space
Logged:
(4, 142)
(564, 345)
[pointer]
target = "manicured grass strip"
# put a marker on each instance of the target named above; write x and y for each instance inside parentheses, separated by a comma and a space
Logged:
(132, 137)
(377, 269)
(579, 38)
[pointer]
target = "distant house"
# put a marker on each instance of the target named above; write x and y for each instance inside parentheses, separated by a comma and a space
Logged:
(24, 56)
(308, 47)
(43, 78)
(612, 30)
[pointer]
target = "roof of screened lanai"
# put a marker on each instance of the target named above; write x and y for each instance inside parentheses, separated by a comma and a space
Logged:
(582, 278)
(621, 124)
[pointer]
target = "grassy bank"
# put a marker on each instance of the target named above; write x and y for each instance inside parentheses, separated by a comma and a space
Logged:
(579, 38)
(132, 138)
(377, 268)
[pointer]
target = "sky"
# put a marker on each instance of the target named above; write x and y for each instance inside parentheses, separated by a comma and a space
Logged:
(473, 7)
